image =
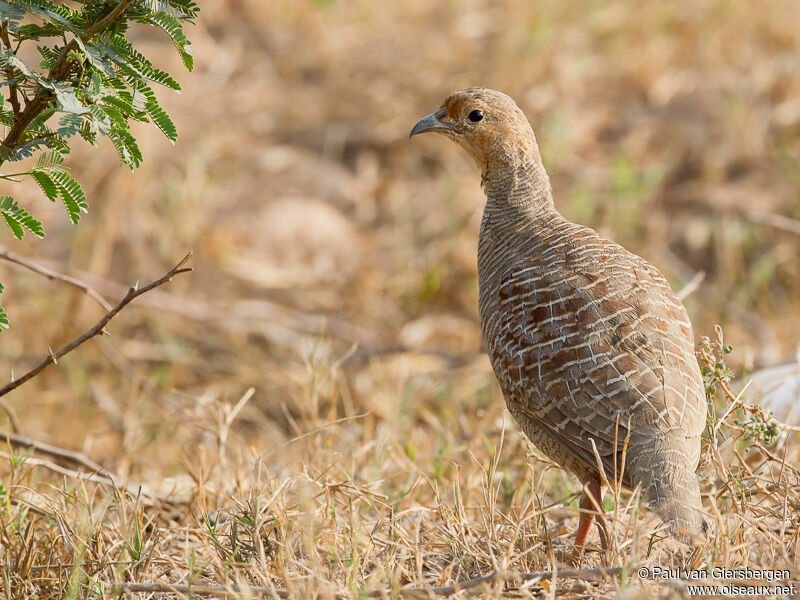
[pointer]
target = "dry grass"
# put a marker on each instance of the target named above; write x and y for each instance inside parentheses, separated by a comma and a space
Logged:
(314, 395)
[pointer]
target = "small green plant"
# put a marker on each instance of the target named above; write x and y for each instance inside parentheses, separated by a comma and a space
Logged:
(90, 81)
(760, 426)
(758, 423)
(712, 355)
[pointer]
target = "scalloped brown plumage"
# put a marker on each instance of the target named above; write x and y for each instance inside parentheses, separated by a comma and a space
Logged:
(592, 349)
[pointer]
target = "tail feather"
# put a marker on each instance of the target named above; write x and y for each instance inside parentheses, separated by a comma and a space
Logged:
(665, 469)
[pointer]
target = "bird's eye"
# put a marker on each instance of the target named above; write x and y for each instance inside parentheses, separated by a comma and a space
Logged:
(475, 116)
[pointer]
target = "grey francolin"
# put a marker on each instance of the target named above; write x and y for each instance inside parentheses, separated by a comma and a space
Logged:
(593, 351)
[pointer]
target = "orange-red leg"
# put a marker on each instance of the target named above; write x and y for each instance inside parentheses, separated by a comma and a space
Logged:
(591, 506)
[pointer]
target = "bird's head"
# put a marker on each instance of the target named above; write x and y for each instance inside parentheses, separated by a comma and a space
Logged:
(487, 124)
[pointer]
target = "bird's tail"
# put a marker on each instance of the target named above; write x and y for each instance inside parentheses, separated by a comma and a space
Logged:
(666, 471)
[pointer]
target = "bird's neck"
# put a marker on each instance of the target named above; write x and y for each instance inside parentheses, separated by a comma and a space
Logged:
(518, 182)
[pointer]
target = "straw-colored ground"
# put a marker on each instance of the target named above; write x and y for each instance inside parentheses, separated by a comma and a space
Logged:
(313, 398)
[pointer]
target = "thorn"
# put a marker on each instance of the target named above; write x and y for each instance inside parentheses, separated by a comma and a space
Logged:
(52, 356)
(105, 332)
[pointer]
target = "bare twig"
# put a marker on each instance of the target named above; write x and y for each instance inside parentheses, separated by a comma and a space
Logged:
(56, 452)
(98, 328)
(99, 474)
(693, 284)
(101, 477)
(8, 256)
(775, 221)
(407, 592)
(12, 415)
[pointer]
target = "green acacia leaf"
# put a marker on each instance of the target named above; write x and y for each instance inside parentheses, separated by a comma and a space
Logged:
(115, 116)
(48, 186)
(68, 101)
(3, 313)
(71, 194)
(175, 31)
(18, 219)
(49, 161)
(162, 120)
(96, 58)
(134, 63)
(12, 15)
(69, 125)
(7, 57)
(47, 10)
(100, 120)
(120, 104)
(33, 31)
(126, 146)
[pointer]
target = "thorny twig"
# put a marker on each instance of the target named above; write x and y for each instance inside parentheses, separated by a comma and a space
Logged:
(98, 328)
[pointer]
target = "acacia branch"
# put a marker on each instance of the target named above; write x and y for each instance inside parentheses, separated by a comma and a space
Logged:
(8, 256)
(58, 72)
(98, 328)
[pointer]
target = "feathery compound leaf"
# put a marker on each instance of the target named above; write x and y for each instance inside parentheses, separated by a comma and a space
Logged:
(116, 117)
(122, 52)
(100, 120)
(71, 194)
(122, 103)
(127, 148)
(47, 10)
(161, 119)
(96, 57)
(187, 8)
(68, 101)
(32, 31)
(69, 125)
(25, 150)
(49, 161)
(49, 187)
(173, 28)
(18, 219)
(12, 15)
(3, 314)
(7, 57)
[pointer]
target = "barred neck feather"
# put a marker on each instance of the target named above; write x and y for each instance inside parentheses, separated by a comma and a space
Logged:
(514, 177)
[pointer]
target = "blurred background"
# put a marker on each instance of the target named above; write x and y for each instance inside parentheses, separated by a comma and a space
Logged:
(335, 260)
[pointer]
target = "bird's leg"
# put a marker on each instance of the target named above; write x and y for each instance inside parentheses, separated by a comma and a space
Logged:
(584, 524)
(591, 505)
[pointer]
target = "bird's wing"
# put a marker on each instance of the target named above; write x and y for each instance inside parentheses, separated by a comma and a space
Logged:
(601, 350)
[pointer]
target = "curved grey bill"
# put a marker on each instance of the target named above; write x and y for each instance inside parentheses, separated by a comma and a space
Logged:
(432, 123)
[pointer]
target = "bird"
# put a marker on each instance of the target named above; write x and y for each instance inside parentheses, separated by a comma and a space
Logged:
(593, 351)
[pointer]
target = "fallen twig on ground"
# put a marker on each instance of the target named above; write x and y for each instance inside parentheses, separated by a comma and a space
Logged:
(99, 474)
(407, 592)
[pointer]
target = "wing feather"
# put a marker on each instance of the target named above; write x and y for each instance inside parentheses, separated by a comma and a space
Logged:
(597, 350)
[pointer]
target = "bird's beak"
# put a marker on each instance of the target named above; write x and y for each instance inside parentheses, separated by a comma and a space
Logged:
(432, 122)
